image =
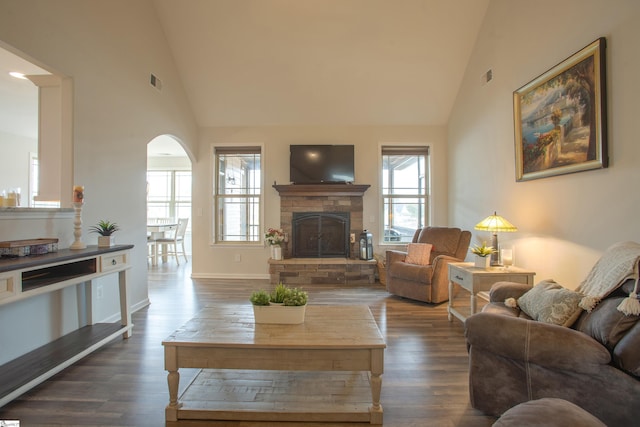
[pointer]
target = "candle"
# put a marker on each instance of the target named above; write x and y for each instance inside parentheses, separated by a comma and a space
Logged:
(78, 194)
(507, 257)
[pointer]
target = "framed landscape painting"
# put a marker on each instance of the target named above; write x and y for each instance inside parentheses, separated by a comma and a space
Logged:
(560, 117)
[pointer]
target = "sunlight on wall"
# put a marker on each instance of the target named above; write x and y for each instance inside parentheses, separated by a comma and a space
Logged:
(555, 259)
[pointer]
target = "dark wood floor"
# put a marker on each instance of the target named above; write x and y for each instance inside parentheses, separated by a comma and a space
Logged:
(124, 383)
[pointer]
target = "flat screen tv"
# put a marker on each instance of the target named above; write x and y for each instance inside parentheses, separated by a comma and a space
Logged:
(321, 164)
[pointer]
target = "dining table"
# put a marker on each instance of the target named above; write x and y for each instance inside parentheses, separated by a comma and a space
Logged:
(157, 230)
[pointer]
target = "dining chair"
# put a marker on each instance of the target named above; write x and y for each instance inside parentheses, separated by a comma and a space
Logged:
(151, 250)
(174, 245)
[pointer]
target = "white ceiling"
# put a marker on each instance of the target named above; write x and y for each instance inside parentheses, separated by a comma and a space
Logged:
(165, 146)
(321, 62)
(18, 97)
(302, 62)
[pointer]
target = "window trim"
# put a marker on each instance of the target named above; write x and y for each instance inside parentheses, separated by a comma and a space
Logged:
(213, 183)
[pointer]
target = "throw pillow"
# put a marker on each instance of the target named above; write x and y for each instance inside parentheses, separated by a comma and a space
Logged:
(549, 302)
(418, 253)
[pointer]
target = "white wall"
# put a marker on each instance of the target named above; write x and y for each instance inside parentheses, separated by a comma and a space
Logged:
(109, 49)
(219, 260)
(565, 222)
(14, 170)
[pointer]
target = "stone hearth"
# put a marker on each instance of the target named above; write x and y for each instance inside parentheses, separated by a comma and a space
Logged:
(305, 271)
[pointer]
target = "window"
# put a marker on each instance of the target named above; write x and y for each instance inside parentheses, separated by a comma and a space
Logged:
(169, 194)
(405, 192)
(32, 194)
(238, 190)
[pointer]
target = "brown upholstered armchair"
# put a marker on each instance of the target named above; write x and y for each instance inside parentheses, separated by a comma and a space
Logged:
(428, 283)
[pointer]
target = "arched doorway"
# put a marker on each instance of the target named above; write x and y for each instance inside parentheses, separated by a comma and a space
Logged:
(169, 183)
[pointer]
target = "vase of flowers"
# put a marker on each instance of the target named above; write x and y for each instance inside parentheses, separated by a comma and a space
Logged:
(274, 237)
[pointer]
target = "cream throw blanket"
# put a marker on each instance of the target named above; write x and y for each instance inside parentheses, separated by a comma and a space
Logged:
(617, 264)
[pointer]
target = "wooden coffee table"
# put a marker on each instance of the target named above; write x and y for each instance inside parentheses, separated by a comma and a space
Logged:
(332, 338)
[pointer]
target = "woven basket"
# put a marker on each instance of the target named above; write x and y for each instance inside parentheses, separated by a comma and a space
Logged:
(382, 270)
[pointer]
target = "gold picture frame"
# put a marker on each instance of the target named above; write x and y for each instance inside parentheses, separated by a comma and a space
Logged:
(560, 117)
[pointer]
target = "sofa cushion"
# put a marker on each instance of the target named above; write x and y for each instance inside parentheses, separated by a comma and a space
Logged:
(627, 287)
(549, 302)
(605, 323)
(446, 241)
(504, 310)
(419, 253)
(412, 272)
(500, 291)
(547, 412)
(626, 355)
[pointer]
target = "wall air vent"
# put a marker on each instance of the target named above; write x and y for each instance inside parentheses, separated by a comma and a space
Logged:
(155, 82)
(486, 77)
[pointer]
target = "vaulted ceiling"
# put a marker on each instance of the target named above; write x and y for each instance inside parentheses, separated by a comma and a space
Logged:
(301, 62)
(321, 62)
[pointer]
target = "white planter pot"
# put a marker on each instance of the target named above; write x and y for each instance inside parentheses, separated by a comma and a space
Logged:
(106, 241)
(276, 252)
(483, 262)
(279, 314)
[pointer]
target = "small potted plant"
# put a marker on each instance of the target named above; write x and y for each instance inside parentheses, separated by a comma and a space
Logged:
(260, 298)
(279, 293)
(296, 298)
(283, 305)
(105, 229)
(483, 255)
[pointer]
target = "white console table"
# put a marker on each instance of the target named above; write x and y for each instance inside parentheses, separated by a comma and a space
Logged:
(26, 277)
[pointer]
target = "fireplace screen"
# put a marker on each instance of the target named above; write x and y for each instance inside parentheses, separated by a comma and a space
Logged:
(320, 234)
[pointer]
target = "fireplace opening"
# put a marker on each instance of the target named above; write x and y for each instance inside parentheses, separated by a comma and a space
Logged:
(320, 234)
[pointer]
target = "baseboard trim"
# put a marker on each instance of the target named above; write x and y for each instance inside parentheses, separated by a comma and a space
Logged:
(229, 276)
(140, 305)
(115, 317)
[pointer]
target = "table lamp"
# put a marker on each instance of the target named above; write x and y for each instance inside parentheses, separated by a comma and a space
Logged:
(495, 223)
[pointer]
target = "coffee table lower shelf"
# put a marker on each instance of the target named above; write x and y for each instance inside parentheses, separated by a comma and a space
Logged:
(313, 363)
(255, 395)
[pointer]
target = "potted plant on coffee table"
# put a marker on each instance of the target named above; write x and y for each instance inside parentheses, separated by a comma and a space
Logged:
(483, 255)
(283, 305)
(105, 229)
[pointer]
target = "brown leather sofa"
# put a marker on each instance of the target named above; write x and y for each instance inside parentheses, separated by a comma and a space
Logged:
(594, 364)
(427, 283)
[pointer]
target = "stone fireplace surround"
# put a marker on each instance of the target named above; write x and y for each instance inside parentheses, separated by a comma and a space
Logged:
(322, 198)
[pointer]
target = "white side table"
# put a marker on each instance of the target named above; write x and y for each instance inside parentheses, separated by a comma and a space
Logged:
(476, 280)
